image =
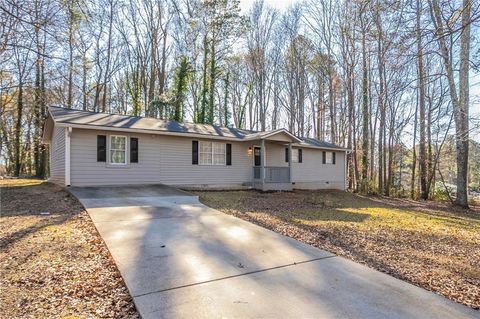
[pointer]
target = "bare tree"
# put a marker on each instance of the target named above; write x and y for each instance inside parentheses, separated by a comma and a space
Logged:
(460, 98)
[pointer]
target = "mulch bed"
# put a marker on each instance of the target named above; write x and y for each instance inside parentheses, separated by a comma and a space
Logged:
(54, 263)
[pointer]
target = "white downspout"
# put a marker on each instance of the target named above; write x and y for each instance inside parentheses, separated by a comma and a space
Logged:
(262, 163)
(290, 163)
(68, 133)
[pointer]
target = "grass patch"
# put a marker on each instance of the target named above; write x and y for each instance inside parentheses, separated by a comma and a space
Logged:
(432, 245)
(21, 182)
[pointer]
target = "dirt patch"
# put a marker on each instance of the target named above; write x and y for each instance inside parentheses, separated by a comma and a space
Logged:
(53, 262)
(431, 245)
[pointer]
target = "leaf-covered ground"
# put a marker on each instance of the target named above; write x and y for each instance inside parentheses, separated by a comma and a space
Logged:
(428, 244)
(54, 265)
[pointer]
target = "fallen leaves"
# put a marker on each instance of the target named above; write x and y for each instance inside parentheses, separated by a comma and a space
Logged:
(55, 266)
(425, 243)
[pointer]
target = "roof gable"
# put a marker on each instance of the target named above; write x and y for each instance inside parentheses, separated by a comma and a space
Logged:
(281, 135)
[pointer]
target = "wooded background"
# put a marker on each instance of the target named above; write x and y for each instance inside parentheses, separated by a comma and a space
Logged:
(389, 79)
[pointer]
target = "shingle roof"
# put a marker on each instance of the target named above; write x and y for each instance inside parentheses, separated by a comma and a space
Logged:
(78, 117)
(116, 121)
(318, 143)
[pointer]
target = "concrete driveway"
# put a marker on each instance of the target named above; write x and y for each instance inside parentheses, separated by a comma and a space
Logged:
(182, 259)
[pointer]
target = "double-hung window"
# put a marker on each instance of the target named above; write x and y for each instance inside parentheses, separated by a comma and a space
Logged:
(294, 156)
(212, 153)
(329, 158)
(118, 150)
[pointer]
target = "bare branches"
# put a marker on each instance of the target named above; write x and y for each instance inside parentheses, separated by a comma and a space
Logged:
(346, 72)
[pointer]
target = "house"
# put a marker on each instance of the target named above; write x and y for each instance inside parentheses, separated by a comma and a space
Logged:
(88, 149)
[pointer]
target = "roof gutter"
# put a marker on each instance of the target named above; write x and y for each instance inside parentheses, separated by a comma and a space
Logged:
(144, 131)
(322, 147)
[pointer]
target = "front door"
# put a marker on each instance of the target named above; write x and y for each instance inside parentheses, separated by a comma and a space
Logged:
(257, 156)
(257, 161)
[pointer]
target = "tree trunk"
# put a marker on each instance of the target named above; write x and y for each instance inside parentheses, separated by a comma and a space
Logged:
(461, 115)
(203, 105)
(18, 131)
(430, 168)
(381, 104)
(70, 58)
(421, 105)
(459, 101)
(109, 53)
(39, 149)
(153, 77)
(84, 82)
(162, 76)
(211, 99)
(226, 116)
(414, 154)
(365, 115)
(351, 119)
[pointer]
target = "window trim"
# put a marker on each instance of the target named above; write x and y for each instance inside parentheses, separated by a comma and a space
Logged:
(130, 149)
(331, 158)
(253, 154)
(212, 153)
(110, 150)
(195, 154)
(228, 154)
(295, 156)
(103, 138)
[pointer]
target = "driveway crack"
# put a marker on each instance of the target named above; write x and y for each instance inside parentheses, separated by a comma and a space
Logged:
(234, 276)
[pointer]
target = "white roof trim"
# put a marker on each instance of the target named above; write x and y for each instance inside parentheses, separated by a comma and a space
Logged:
(144, 131)
(265, 135)
(296, 145)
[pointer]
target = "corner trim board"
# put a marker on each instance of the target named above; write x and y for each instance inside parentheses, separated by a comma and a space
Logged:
(68, 132)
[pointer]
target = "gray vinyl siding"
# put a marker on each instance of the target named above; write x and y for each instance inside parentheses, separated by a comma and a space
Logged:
(162, 159)
(312, 174)
(177, 168)
(168, 160)
(85, 170)
(275, 155)
(57, 156)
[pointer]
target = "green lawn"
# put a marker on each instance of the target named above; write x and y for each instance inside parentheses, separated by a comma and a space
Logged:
(429, 244)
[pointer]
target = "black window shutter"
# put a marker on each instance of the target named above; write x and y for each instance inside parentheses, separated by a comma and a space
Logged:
(286, 154)
(133, 150)
(333, 157)
(300, 155)
(229, 154)
(101, 148)
(324, 157)
(195, 152)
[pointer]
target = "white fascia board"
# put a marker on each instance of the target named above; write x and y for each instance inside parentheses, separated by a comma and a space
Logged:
(144, 131)
(321, 147)
(271, 133)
